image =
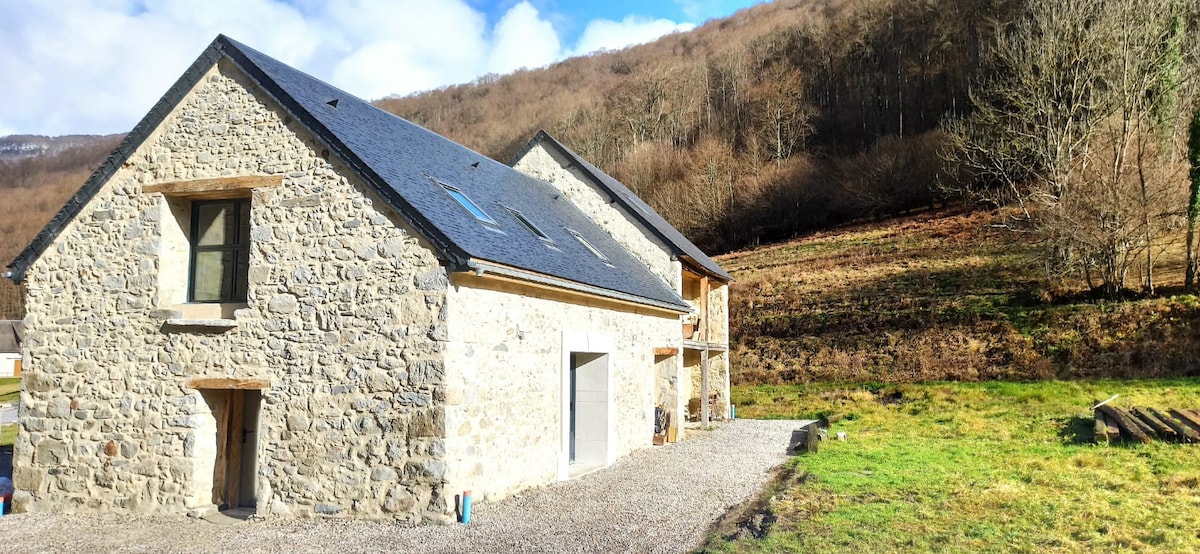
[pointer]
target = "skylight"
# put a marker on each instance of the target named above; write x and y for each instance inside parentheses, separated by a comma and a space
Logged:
(588, 245)
(529, 224)
(466, 202)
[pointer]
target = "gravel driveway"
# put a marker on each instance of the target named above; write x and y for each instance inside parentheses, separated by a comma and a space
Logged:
(656, 500)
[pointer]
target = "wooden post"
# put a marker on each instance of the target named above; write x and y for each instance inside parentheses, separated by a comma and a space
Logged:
(1100, 432)
(233, 473)
(704, 415)
(704, 309)
(220, 409)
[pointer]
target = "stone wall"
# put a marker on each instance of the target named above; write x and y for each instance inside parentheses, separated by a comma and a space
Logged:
(506, 382)
(718, 313)
(345, 321)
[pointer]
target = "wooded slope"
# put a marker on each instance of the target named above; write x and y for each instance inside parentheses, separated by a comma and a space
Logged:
(783, 118)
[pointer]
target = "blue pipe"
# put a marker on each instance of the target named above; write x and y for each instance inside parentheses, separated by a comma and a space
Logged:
(466, 507)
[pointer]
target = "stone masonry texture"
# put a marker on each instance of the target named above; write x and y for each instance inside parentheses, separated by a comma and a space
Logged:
(344, 321)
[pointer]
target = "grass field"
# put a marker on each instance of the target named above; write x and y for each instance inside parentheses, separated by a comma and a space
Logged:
(10, 389)
(10, 392)
(978, 467)
(943, 296)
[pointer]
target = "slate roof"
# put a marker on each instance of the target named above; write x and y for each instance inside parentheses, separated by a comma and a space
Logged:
(405, 163)
(651, 222)
(11, 332)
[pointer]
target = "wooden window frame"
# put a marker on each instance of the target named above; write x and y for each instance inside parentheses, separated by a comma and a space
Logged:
(240, 246)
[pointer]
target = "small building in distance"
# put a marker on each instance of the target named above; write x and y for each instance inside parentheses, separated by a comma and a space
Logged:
(10, 347)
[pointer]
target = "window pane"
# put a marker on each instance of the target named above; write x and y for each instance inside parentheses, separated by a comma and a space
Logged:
(468, 204)
(216, 224)
(241, 272)
(212, 277)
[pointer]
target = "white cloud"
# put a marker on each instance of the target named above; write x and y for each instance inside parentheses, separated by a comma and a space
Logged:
(606, 34)
(523, 39)
(77, 66)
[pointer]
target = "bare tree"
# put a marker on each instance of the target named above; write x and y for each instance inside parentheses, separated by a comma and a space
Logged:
(1060, 132)
(1193, 208)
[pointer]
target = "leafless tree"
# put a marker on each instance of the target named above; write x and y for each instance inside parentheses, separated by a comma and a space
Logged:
(1060, 132)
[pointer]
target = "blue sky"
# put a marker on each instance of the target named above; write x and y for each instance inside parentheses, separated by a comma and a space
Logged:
(96, 66)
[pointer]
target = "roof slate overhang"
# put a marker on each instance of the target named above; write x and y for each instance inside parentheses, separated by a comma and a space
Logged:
(360, 135)
(650, 221)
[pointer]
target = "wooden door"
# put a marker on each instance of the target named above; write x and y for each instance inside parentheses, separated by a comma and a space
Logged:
(229, 409)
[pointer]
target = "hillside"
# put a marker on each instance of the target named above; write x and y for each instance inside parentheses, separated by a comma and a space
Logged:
(942, 295)
(746, 130)
(783, 118)
(37, 176)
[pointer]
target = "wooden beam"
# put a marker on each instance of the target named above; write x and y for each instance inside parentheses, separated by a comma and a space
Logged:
(704, 415)
(220, 408)
(1126, 423)
(233, 474)
(221, 383)
(1186, 417)
(1182, 431)
(223, 187)
(473, 280)
(666, 351)
(704, 309)
(1163, 430)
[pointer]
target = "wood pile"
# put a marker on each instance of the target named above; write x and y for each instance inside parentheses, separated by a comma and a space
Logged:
(1146, 424)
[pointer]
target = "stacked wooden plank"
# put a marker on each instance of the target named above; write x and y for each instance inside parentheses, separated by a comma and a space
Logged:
(1143, 424)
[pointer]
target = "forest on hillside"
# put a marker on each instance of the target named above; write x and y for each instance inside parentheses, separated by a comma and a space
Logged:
(33, 189)
(1069, 118)
(783, 118)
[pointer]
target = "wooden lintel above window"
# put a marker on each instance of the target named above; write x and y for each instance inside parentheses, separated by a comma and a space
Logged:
(225, 383)
(666, 351)
(221, 187)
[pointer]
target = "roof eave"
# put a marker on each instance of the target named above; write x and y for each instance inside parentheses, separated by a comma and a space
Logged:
(481, 267)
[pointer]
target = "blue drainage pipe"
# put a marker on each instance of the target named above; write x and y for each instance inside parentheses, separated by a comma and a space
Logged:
(466, 507)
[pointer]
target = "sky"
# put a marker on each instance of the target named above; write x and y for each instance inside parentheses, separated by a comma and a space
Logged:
(97, 66)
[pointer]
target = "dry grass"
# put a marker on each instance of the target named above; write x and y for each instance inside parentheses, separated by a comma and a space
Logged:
(942, 295)
(34, 189)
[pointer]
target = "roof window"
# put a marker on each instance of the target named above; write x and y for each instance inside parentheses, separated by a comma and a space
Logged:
(588, 245)
(464, 201)
(529, 225)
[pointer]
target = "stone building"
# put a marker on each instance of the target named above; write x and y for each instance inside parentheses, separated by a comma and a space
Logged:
(275, 296)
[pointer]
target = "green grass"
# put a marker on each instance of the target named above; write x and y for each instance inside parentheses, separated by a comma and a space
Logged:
(10, 389)
(980, 467)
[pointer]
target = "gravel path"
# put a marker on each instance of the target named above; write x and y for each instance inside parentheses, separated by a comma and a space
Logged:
(655, 500)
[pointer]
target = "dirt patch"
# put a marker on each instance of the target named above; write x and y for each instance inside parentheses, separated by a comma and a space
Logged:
(889, 397)
(753, 518)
